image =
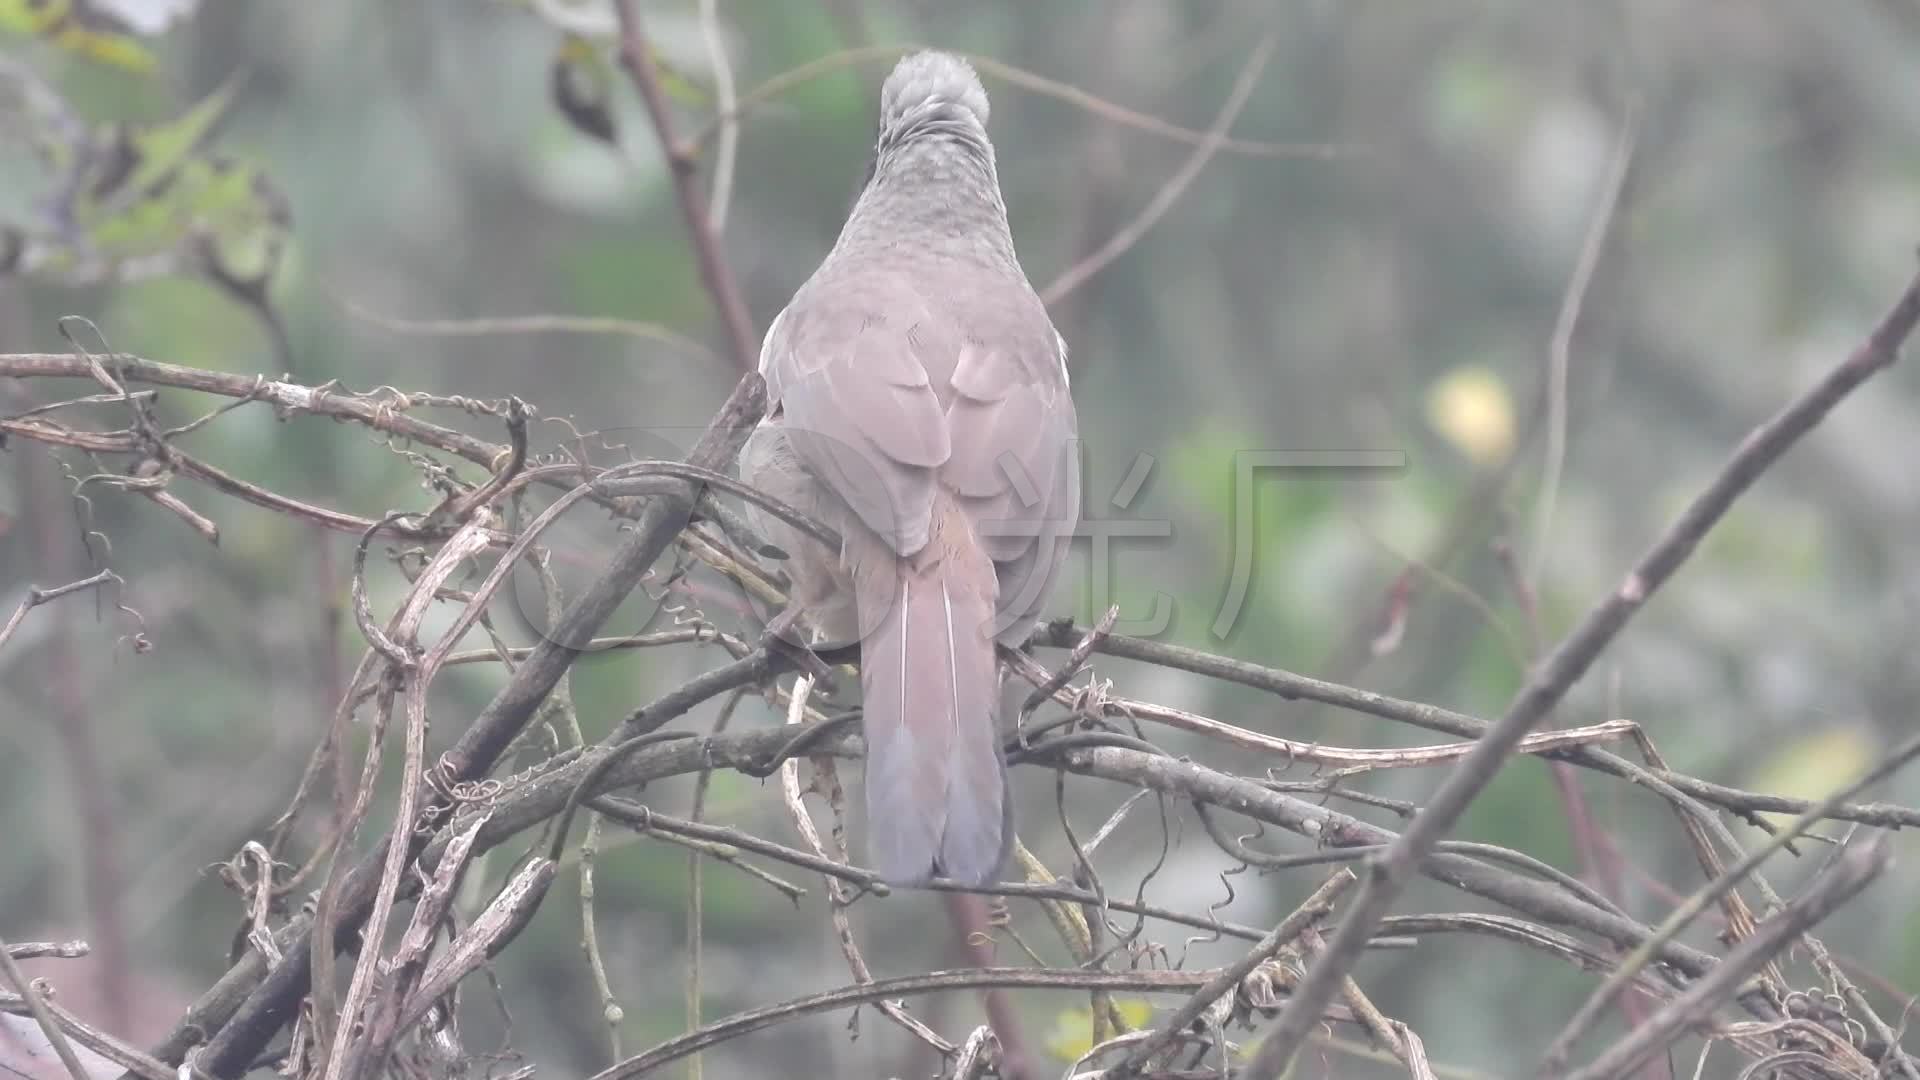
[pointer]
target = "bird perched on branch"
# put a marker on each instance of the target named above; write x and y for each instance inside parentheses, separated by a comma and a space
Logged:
(918, 405)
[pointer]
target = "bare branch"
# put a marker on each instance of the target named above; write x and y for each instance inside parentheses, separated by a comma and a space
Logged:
(249, 1004)
(1093, 740)
(1064, 633)
(505, 916)
(1026, 80)
(352, 1055)
(1849, 874)
(1311, 910)
(37, 1005)
(36, 596)
(729, 123)
(1676, 921)
(527, 324)
(636, 57)
(1076, 275)
(880, 989)
(1560, 350)
(35, 950)
(1552, 678)
(838, 898)
(92, 1038)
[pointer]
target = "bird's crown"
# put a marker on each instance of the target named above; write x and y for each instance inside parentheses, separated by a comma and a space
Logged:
(930, 80)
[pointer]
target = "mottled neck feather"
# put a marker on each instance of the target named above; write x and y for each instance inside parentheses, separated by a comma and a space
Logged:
(932, 191)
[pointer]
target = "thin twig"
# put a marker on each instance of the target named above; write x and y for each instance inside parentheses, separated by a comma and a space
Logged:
(36, 596)
(611, 1014)
(644, 819)
(759, 753)
(1046, 892)
(134, 1061)
(1561, 1048)
(1071, 666)
(838, 898)
(1560, 351)
(696, 866)
(505, 916)
(1349, 760)
(250, 1004)
(498, 325)
(1026, 80)
(729, 123)
(882, 989)
(1396, 1038)
(35, 950)
(352, 1055)
(1065, 633)
(1077, 274)
(37, 1005)
(637, 58)
(1896, 1056)
(1311, 910)
(1845, 878)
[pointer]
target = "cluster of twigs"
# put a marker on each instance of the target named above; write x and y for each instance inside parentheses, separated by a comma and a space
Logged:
(398, 1006)
(281, 1003)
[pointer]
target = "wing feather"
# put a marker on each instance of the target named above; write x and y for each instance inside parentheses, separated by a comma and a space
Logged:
(861, 412)
(1015, 463)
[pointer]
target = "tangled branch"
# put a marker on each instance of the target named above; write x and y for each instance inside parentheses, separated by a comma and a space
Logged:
(453, 809)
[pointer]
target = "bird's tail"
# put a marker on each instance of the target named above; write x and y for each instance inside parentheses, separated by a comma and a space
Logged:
(935, 780)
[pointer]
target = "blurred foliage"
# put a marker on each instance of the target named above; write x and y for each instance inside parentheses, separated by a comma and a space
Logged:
(422, 162)
(1072, 1034)
(88, 30)
(135, 200)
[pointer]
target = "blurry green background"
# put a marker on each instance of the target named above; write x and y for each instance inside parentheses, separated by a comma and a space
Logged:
(1397, 289)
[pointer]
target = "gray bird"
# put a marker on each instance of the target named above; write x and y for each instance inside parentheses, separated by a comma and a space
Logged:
(919, 407)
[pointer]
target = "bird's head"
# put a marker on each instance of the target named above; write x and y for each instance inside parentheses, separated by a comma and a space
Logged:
(932, 94)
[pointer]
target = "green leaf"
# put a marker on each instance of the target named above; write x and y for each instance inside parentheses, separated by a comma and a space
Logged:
(135, 201)
(143, 159)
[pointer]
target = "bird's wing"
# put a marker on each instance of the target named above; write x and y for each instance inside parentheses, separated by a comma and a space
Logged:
(1015, 463)
(859, 408)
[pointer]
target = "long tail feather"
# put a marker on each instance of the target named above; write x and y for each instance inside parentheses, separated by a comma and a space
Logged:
(935, 780)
